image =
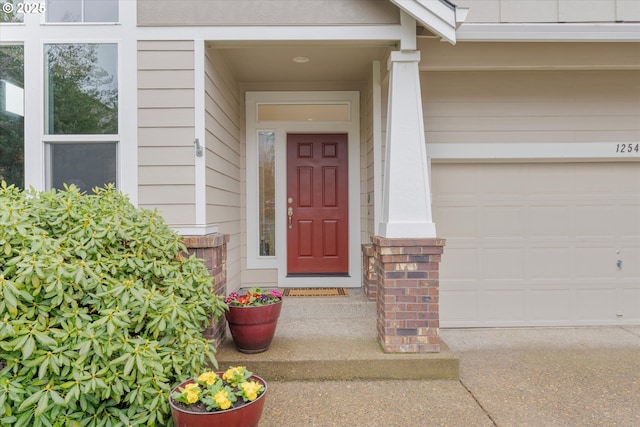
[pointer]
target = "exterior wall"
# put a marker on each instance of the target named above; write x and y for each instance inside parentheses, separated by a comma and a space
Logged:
(438, 56)
(222, 141)
(166, 129)
(531, 106)
(271, 12)
(551, 10)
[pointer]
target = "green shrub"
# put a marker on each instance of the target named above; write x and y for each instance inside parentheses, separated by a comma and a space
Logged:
(100, 313)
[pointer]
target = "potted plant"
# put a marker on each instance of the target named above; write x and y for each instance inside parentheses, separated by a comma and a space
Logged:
(234, 398)
(253, 317)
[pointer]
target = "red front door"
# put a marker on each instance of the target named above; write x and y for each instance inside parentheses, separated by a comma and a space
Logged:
(317, 204)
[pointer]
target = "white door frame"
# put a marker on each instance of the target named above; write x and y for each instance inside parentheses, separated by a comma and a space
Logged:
(352, 128)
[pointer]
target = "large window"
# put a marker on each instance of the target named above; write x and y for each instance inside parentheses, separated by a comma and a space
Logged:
(82, 10)
(81, 104)
(12, 115)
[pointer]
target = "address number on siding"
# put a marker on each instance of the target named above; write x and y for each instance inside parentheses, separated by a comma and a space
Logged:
(627, 148)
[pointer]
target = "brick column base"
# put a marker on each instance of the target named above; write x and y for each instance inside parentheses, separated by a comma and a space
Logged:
(408, 293)
(212, 249)
(369, 276)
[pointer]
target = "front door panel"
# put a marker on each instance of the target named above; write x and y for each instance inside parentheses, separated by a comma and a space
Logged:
(317, 204)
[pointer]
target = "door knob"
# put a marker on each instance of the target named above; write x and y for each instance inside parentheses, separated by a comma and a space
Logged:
(290, 214)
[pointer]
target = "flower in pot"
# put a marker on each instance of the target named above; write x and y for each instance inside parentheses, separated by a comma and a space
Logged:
(231, 398)
(253, 317)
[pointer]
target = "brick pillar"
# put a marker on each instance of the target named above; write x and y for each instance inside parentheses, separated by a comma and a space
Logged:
(408, 293)
(369, 275)
(212, 249)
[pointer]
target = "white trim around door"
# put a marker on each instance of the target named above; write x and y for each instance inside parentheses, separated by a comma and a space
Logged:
(279, 129)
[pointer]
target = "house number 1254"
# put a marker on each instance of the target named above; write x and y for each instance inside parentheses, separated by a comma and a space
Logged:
(627, 148)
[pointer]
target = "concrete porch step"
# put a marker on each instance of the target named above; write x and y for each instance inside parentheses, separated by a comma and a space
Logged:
(335, 339)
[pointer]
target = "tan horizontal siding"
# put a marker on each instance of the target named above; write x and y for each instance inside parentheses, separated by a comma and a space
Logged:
(165, 59)
(167, 98)
(166, 117)
(179, 194)
(265, 12)
(162, 137)
(158, 175)
(175, 215)
(165, 79)
(551, 10)
(521, 56)
(530, 106)
(530, 136)
(223, 160)
(166, 156)
(166, 129)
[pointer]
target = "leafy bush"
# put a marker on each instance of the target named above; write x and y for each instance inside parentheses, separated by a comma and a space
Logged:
(101, 313)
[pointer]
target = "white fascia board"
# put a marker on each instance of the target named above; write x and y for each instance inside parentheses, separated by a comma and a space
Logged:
(437, 16)
(321, 33)
(551, 32)
(537, 151)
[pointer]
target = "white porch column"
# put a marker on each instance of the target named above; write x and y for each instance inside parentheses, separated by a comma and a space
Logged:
(406, 198)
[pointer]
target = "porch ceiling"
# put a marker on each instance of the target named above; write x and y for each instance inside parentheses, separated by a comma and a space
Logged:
(267, 62)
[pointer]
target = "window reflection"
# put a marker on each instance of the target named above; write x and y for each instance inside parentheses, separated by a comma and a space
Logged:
(82, 10)
(82, 92)
(12, 115)
(266, 191)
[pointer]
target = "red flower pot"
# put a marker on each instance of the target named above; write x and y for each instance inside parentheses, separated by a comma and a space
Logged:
(247, 415)
(252, 328)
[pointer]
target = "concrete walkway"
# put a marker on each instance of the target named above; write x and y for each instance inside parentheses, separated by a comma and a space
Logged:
(508, 377)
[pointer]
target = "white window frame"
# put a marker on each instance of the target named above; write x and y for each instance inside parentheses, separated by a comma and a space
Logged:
(34, 33)
(83, 22)
(281, 129)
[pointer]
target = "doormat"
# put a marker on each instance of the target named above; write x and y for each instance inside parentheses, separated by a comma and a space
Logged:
(315, 292)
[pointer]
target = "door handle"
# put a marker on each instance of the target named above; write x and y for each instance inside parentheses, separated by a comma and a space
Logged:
(290, 214)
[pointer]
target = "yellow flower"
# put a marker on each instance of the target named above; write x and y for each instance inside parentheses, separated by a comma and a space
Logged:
(233, 375)
(222, 400)
(208, 378)
(191, 392)
(251, 389)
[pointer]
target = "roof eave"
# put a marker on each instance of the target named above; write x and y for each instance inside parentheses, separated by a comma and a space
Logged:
(438, 16)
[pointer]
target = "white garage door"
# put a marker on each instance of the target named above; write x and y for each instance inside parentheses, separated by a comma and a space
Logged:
(538, 244)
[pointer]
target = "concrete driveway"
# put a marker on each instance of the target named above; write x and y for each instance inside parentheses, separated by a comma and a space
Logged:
(509, 377)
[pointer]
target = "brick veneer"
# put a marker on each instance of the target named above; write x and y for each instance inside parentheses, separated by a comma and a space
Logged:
(369, 275)
(212, 249)
(407, 277)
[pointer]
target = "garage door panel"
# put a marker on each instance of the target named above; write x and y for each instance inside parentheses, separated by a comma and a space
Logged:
(629, 303)
(596, 262)
(461, 306)
(629, 220)
(500, 221)
(503, 263)
(596, 221)
(466, 218)
(543, 304)
(501, 306)
(461, 264)
(596, 306)
(537, 244)
(548, 221)
(549, 263)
